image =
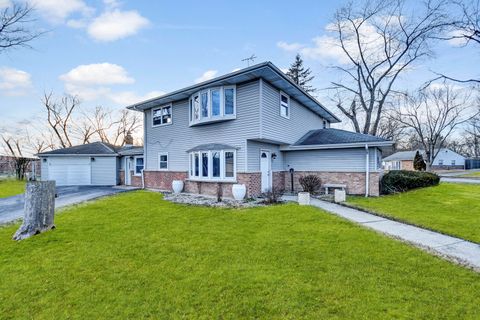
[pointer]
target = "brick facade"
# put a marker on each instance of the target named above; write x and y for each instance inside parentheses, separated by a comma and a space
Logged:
(355, 181)
(407, 165)
(135, 181)
(162, 180)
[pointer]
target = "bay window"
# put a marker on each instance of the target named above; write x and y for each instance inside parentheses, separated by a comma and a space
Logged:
(213, 104)
(213, 165)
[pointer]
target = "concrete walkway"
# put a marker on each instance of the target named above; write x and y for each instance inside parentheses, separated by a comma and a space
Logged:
(460, 180)
(451, 248)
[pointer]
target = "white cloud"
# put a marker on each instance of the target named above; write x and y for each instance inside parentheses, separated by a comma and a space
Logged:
(125, 98)
(97, 74)
(94, 81)
(116, 24)
(57, 11)
(289, 46)
(327, 48)
(207, 75)
(14, 82)
(457, 38)
(5, 4)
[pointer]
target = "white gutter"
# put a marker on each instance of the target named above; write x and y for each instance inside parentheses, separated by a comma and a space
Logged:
(143, 178)
(367, 171)
(335, 146)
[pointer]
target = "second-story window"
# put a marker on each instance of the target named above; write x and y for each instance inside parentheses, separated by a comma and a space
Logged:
(162, 116)
(214, 104)
(284, 105)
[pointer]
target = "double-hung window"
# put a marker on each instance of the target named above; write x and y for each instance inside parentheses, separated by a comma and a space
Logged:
(138, 165)
(284, 105)
(213, 165)
(163, 161)
(213, 104)
(162, 115)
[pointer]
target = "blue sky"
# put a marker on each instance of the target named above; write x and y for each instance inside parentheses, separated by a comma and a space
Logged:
(113, 53)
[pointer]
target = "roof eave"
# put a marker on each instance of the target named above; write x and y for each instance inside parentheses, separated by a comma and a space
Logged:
(337, 145)
(138, 106)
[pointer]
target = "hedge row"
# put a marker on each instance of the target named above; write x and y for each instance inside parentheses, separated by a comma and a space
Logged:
(402, 180)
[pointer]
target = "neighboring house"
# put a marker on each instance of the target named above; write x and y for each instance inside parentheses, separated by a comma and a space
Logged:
(7, 166)
(403, 160)
(252, 127)
(96, 163)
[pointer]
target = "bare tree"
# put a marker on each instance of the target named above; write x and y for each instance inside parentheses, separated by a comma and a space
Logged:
(14, 146)
(433, 114)
(380, 40)
(59, 117)
(466, 30)
(15, 26)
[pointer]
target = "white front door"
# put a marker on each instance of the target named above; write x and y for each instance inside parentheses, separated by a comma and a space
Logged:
(128, 169)
(266, 170)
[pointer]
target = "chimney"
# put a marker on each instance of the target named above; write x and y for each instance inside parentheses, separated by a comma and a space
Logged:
(128, 139)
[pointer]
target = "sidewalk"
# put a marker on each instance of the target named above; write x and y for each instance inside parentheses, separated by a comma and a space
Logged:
(451, 248)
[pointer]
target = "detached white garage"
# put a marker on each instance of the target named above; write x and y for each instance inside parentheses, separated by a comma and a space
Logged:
(90, 164)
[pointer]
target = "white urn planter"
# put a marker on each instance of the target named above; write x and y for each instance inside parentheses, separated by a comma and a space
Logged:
(303, 198)
(177, 186)
(340, 196)
(239, 191)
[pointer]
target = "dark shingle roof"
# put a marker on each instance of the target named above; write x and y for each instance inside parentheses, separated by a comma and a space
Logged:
(95, 148)
(335, 136)
(211, 146)
(130, 150)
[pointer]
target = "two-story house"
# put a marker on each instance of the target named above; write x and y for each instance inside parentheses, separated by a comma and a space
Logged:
(254, 126)
(251, 127)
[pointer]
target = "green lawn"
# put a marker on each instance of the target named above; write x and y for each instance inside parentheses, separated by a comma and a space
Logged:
(136, 256)
(11, 187)
(450, 208)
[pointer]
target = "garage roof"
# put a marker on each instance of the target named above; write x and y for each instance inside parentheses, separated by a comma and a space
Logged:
(265, 70)
(95, 148)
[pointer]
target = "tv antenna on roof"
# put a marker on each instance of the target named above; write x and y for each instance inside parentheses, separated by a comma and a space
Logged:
(250, 59)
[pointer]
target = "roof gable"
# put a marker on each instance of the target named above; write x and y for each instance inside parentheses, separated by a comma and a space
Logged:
(265, 70)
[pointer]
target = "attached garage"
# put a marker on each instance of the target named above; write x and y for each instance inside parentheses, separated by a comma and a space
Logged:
(91, 164)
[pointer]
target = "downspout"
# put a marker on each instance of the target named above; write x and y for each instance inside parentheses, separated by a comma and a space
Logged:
(143, 177)
(367, 171)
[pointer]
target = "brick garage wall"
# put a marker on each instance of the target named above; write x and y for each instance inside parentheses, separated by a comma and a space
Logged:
(355, 181)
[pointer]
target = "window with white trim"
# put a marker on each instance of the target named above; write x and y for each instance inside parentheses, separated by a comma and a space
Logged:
(453, 162)
(163, 161)
(284, 105)
(440, 162)
(213, 165)
(138, 165)
(162, 116)
(213, 104)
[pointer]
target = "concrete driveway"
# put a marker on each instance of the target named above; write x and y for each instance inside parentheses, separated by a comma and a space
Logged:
(11, 208)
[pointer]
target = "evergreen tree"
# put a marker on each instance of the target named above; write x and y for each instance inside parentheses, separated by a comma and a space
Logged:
(301, 75)
(418, 162)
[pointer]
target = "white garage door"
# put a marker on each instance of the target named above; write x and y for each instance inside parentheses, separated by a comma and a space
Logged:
(70, 171)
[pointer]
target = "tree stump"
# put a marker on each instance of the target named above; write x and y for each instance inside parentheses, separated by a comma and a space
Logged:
(39, 209)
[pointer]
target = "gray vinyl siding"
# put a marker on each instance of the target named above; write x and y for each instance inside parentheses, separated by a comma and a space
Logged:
(333, 160)
(178, 137)
(253, 153)
(104, 171)
(277, 128)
